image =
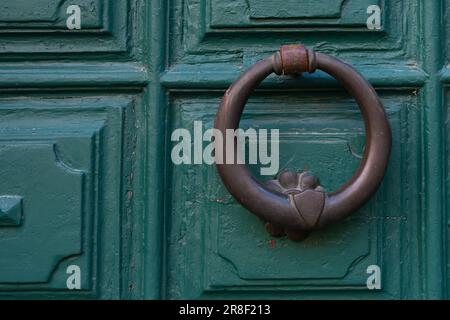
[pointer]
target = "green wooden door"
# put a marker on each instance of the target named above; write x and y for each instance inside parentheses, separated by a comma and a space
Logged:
(92, 206)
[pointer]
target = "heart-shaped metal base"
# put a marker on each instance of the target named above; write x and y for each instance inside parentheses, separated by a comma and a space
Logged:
(306, 196)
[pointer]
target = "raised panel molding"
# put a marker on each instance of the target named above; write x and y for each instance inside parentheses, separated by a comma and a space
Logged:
(303, 13)
(234, 253)
(50, 15)
(209, 24)
(210, 47)
(40, 28)
(74, 75)
(205, 42)
(68, 159)
(53, 203)
(295, 9)
(222, 75)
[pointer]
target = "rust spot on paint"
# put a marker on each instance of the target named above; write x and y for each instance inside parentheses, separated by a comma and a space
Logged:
(273, 243)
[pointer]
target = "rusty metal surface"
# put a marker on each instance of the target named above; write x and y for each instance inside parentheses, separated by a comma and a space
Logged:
(295, 204)
(294, 59)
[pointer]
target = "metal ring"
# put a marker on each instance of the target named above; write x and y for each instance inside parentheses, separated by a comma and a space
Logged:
(295, 204)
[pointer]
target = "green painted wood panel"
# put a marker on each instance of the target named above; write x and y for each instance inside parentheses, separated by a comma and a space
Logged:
(290, 12)
(321, 132)
(39, 28)
(63, 157)
(49, 13)
(86, 177)
(73, 124)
